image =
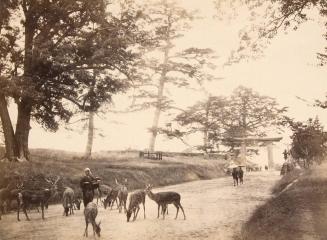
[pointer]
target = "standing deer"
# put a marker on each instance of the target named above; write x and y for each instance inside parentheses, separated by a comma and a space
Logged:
(165, 198)
(68, 201)
(40, 197)
(90, 213)
(8, 194)
(4, 194)
(135, 200)
(122, 195)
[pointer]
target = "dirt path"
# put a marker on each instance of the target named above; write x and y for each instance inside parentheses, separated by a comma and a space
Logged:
(214, 210)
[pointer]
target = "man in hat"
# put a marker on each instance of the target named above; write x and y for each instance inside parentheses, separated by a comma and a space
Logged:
(88, 183)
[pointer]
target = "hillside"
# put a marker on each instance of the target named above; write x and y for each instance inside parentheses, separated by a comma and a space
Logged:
(298, 210)
(111, 165)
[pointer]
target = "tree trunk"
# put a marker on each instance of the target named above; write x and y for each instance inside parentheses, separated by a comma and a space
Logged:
(23, 128)
(154, 129)
(90, 137)
(25, 104)
(8, 131)
(206, 127)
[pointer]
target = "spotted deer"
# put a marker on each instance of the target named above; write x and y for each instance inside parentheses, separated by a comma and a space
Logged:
(90, 214)
(39, 197)
(165, 198)
(122, 195)
(135, 200)
(68, 201)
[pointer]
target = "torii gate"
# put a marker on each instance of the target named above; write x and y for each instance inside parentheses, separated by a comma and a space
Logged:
(267, 141)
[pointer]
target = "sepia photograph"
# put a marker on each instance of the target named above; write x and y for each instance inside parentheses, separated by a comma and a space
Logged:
(163, 119)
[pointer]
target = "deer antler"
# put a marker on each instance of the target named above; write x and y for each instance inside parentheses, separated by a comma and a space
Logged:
(48, 180)
(58, 178)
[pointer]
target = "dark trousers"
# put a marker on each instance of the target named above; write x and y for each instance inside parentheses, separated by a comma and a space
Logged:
(88, 196)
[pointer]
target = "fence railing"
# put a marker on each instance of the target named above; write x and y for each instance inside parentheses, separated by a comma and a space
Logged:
(151, 155)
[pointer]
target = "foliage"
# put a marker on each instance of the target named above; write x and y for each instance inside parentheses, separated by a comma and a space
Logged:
(206, 117)
(221, 119)
(70, 40)
(309, 142)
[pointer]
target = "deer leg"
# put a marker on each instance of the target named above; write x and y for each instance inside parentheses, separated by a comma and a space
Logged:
(93, 226)
(85, 232)
(24, 210)
(117, 203)
(42, 208)
(137, 211)
(180, 205)
(163, 208)
(144, 209)
(177, 206)
(158, 210)
(18, 207)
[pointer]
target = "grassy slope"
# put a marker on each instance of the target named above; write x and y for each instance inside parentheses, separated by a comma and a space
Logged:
(298, 212)
(111, 165)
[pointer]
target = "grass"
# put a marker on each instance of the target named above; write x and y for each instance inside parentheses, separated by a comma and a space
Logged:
(110, 165)
(298, 212)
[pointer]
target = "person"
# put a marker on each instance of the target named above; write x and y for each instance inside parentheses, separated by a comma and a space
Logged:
(285, 153)
(88, 183)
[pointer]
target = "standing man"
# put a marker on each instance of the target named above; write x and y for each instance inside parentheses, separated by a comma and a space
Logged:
(88, 183)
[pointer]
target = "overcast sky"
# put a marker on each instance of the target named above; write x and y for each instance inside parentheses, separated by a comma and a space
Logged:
(287, 70)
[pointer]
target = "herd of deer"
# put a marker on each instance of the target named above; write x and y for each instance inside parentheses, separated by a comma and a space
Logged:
(25, 198)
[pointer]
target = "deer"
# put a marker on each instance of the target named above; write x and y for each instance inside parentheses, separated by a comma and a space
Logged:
(165, 198)
(135, 200)
(77, 204)
(4, 193)
(68, 201)
(90, 213)
(103, 189)
(41, 197)
(122, 195)
(8, 194)
(111, 199)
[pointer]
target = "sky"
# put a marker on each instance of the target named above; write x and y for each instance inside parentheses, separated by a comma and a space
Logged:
(288, 69)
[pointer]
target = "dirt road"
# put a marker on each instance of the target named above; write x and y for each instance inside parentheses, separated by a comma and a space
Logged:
(214, 210)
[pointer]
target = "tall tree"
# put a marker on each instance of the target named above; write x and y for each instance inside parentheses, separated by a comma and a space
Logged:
(309, 142)
(62, 42)
(252, 113)
(166, 66)
(9, 60)
(205, 117)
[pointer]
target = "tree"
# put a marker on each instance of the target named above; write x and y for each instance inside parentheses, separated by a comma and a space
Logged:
(164, 66)
(309, 142)
(7, 54)
(206, 117)
(251, 114)
(63, 42)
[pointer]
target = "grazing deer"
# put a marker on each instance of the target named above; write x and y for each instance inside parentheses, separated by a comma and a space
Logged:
(122, 195)
(102, 190)
(135, 200)
(111, 199)
(68, 201)
(90, 213)
(165, 198)
(77, 204)
(41, 197)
